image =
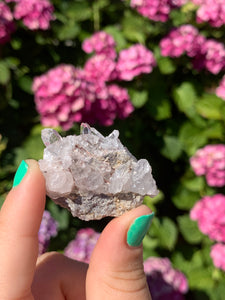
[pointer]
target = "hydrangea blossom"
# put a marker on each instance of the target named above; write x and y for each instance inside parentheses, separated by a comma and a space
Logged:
(211, 56)
(134, 61)
(48, 229)
(210, 161)
(218, 255)
(82, 246)
(164, 281)
(220, 91)
(206, 54)
(209, 212)
(211, 11)
(100, 43)
(182, 40)
(100, 67)
(6, 23)
(156, 10)
(65, 95)
(35, 14)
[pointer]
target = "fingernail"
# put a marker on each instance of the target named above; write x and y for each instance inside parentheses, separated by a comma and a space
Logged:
(20, 173)
(138, 230)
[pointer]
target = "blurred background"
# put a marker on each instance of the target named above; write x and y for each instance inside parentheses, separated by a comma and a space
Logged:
(154, 70)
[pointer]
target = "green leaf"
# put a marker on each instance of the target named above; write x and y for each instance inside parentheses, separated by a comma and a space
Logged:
(134, 27)
(59, 214)
(210, 106)
(185, 97)
(189, 230)
(138, 98)
(172, 148)
(195, 184)
(25, 84)
(192, 137)
(200, 279)
(68, 31)
(166, 65)
(184, 198)
(32, 147)
(165, 231)
(79, 11)
(4, 72)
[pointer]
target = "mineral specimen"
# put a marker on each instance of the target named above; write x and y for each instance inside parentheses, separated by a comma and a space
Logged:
(94, 176)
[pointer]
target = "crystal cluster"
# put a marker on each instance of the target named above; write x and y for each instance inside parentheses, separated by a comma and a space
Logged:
(92, 175)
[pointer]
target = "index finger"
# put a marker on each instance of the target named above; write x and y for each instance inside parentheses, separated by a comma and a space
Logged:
(20, 218)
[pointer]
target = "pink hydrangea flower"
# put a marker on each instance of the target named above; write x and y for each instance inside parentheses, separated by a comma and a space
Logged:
(47, 230)
(6, 23)
(210, 161)
(210, 57)
(164, 281)
(182, 40)
(211, 11)
(35, 14)
(220, 91)
(100, 43)
(100, 67)
(218, 255)
(209, 212)
(156, 10)
(134, 61)
(82, 246)
(65, 95)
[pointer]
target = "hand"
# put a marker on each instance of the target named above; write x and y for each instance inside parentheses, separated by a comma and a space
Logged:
(115, 270)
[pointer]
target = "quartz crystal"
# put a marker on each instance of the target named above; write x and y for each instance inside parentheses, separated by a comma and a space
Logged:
(94, 176)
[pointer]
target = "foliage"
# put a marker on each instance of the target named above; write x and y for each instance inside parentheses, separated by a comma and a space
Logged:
(176, 113)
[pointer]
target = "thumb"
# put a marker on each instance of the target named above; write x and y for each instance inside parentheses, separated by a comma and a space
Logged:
(116, 266)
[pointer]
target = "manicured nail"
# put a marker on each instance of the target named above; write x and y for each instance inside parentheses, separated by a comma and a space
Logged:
(138, 230)
(20, 173)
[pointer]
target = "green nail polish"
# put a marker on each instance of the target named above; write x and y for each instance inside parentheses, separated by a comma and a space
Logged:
(20, 173)
(138, 230)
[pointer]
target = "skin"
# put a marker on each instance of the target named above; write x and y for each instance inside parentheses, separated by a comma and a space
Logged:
(115, 270)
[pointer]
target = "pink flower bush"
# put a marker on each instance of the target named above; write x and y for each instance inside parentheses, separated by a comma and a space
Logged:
(210, 161)
(205, 53)
(100, 67)
(211, 11)
(218, 255)
(156, 10)
(35, 14)
(134, 61)
(209, 212)
(100, 43)
(82, 246)
(65, 95)
(164, 281)
(210, 57)
(6, 23)
(182, 40)
(47, 230)
(220, 91)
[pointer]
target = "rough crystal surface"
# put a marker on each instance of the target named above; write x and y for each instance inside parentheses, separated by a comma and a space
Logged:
(94, 176)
